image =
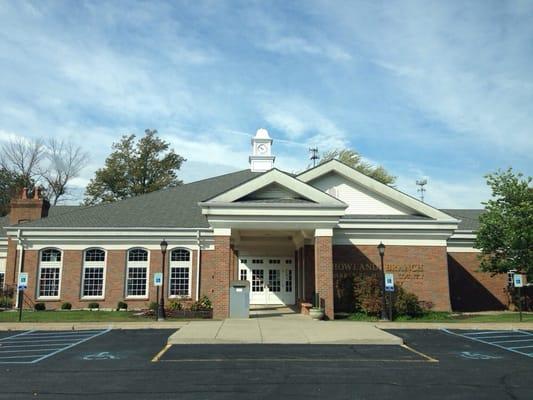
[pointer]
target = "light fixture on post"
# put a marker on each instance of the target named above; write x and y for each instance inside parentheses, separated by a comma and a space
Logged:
(161, 306)
(381, 250)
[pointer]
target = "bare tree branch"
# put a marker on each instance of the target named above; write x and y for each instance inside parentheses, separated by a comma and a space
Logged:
(65, 162)
(23, 157)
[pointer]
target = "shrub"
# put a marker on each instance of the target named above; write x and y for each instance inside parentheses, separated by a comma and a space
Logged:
(367, 294)
(153, 306)
(175, 305)
(406, 303)
(122, 306)
(66, 306)
(94, 306)
(203, 304)
(40, 306)
(6, 302)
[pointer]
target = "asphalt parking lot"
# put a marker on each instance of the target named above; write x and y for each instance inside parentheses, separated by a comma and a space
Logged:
(119, 365)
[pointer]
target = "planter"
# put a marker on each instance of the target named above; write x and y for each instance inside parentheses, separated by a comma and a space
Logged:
(190, 314)
(316, 313)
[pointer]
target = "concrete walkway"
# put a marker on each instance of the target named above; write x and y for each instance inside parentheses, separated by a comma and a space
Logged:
(281, 331)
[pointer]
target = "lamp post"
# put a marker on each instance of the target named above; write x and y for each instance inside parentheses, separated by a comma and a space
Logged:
(381, 249)
(161, 306)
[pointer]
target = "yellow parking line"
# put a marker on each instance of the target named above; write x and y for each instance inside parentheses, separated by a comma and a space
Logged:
(319, 360)
(428, 358)
(161, 352)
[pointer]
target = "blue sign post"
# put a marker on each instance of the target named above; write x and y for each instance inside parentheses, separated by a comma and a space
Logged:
(518, 282)
(389, 287)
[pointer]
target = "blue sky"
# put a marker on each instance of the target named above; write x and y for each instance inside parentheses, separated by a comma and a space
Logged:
(441, 90)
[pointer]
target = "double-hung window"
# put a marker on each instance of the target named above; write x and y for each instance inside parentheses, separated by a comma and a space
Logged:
(180, 273)
(137, 274)
(49, 274)
(93, 274)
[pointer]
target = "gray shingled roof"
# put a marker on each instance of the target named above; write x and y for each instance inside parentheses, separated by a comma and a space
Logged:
(53, 211)
(469, 217)
(173, 208)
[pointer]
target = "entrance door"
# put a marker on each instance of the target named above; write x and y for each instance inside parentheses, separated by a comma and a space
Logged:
(271, 279)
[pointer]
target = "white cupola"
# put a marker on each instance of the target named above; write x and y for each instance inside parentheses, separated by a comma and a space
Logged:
(261, 159)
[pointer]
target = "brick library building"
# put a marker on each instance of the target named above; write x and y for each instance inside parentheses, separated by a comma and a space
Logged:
(291, 236)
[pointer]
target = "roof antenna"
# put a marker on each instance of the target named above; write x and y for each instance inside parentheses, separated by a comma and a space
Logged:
(421, 190)
(314, 155)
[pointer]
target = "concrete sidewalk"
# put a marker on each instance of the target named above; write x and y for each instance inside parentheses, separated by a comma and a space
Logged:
(61, 326)
(279, 331)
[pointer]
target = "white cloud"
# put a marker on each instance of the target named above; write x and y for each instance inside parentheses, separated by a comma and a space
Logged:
(300, 121)
(298, 45)
(464, 65)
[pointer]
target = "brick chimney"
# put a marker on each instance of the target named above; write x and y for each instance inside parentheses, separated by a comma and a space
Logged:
(24, 209)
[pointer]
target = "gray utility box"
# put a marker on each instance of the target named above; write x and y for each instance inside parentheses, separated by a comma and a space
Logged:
(239, 299)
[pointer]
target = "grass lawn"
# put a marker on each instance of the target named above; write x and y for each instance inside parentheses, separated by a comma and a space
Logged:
(71, 316)
(437, 316)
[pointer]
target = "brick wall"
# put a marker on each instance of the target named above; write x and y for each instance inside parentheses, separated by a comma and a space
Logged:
(422, 270)
(309, 267)
(324, 273)
(216, 272)
(473, 290)
(115, 280)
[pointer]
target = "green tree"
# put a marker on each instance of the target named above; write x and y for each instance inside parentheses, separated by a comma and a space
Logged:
(354, 160)
(10, 185)
(505, 236)
(135, 168)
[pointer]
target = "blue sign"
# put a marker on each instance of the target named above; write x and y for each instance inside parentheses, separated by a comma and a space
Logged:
(23, 281)
(517, 280)
(158, 279)
(389, 282)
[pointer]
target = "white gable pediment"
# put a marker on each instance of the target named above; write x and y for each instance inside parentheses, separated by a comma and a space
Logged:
(365, 195)
(273, 185)
(360, 201)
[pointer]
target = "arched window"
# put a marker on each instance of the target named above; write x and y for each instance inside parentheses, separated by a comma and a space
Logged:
(137, 274)
(93, 274)
(180, 273)
(49, 274)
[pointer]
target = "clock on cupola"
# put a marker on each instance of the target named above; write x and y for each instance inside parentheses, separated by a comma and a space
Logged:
(261, 159)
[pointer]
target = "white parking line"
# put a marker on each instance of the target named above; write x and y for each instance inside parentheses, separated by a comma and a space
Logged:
(41, 345)
(497, 343)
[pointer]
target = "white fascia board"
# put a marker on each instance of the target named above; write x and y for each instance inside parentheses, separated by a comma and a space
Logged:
(274, 211)
(281, 178)
(272, 222)
(105, 232)
(374, 186)
(465, 248)
(389, 241)
(403, 225)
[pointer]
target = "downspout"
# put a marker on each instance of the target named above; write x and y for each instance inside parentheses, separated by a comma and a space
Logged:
(198, 266)
(19, 267)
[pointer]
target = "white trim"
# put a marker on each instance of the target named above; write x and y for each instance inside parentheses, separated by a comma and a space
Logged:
(93, 264)
(50, 264)
(281, 178)
(222, 232)
(459, 249)
(374, 186)
(388, 242)
(137, 264)
(323, 232)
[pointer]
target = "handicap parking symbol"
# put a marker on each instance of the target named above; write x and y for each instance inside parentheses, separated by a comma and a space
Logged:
(104, 355)
(477, 356)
